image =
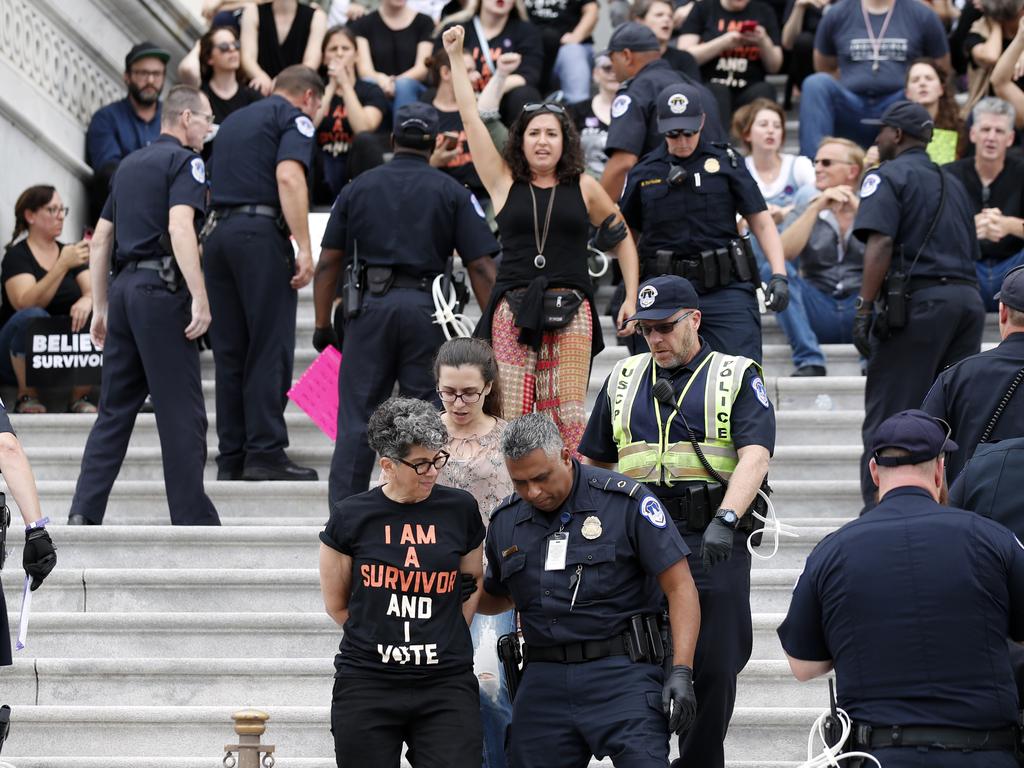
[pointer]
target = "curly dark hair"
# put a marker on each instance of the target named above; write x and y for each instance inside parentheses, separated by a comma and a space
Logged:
(206, 50)
(570, 164)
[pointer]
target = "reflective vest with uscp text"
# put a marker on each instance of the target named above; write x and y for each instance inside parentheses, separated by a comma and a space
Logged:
(642, 435)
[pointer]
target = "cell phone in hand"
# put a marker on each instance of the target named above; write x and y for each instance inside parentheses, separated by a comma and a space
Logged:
(87, 234)
(746, 27)
(451, 140)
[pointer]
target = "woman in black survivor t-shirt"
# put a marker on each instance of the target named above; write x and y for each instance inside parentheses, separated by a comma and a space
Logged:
(390, 564)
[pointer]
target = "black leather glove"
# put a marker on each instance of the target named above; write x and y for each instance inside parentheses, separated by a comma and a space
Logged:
(468, 585)
(717, 544)
(609, 235)
(862, 323)
(39, 556)
(678, 700)
(324, 338)
(777, 296)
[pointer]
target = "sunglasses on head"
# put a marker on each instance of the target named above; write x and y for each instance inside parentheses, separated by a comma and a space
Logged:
(680, 132)
(544, 106)
(234, 45)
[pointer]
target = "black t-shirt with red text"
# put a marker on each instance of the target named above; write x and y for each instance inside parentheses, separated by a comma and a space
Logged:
(334, 135)
(520, 37)
(738, 67)
(461, 166)
(405, 608)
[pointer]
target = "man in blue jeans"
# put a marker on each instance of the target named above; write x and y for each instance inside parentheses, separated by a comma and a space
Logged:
(861, 54)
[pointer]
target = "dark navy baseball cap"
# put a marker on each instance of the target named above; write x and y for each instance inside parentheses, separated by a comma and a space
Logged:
(144, 51)
(679, 108)
(923, 436)
(632, 36)
(1011, 292)
(909, 117)
(416, 125)
(661, 297)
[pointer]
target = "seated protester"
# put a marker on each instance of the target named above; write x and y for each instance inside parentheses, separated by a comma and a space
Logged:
(41, 277)
(593, 117)
(394, 42)
(736, 42)
(656, 15)
(800, 22)
(351, 133)
(565, 28)
(992, 179)
(985, 42)
(266, 51)
(861, 71)
(503, 27)
(931, 87)
(831, 261)
(1007, 76)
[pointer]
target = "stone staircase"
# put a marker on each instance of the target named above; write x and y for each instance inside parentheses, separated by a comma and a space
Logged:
(147, 637)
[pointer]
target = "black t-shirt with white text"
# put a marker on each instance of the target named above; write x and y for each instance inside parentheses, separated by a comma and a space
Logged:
(405, 609)
(737, 67)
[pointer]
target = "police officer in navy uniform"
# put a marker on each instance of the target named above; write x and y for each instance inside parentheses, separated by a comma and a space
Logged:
(969, 395)
(400, 223)
(683, 199)
(642, 73)
(259, 193)
(587, 558)
(910, 605)
(918, 226)
(156, 309)
(723, 407)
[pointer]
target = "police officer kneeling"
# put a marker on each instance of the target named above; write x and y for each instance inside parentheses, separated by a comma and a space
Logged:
(911, 605)
(587, 557)
(396, 226)
(683, 198)
(724, 409)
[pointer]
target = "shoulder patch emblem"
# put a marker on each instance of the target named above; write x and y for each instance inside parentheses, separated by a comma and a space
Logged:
(198, 170)
(711, 165)
(305, 126)
(620, 105)
(652, 511)
(476, 206)
(759, 390)
(871, 182)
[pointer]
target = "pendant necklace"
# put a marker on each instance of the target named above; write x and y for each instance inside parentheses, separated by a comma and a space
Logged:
(541, 239)
(876, 42)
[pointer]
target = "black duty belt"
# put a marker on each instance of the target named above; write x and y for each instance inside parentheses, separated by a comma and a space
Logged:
(154, 264)
(574, 653)
(255, 210)
(410, 281)
(960, 739)
(707, 270)
(917, 283)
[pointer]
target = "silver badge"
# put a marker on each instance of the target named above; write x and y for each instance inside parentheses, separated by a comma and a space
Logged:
(591, 528)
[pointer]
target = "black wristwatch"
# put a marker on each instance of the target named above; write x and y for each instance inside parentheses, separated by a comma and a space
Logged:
(729, 517)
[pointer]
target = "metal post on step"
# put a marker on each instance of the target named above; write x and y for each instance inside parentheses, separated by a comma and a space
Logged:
(250, 724)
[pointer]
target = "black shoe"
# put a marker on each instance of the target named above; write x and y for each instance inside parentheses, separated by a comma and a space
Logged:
(285, 470)
(147, 405)
(77, 519)
(229, 474)
(810, 370)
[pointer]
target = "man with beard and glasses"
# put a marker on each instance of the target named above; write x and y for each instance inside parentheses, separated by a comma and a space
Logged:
(118, 129)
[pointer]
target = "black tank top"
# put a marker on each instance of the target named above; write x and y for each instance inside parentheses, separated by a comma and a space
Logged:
(274, 56)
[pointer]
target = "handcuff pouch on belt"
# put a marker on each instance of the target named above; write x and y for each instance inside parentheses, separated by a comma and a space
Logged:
(698, 503)
(713, 268)
(644, 640)
(379, 280)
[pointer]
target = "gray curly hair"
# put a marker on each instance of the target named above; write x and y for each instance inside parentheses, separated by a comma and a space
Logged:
(399, 423)
(528, 433)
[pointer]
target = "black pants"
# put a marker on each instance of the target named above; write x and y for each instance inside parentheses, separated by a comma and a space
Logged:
(248, 263)
(146, 352)
(393, 339)
(438, 718)
(731, 99)
(944, 325)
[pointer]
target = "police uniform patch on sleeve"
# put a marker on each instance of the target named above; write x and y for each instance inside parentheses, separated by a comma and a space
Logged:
(759, 390)
(198, 170)
(620, 105)
(476, 206)
(305, 126)
(652, 511)
(871, 182)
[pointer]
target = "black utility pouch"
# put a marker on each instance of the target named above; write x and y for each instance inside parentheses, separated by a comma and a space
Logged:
(379, 280)
(896, 300)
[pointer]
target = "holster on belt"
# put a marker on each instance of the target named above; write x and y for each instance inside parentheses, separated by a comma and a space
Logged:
(695, 506)
(209, 225)
(510, 654)
(169, 271)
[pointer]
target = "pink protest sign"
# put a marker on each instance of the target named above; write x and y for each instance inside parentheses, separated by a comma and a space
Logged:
(316, 392)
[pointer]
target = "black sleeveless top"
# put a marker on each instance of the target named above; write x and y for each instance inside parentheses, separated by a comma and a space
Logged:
(273, 55)
(565, 251)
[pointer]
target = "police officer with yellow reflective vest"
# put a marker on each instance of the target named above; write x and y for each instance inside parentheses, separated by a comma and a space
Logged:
(588, 558)
(683, 199)
(697, 428)
(919, 310)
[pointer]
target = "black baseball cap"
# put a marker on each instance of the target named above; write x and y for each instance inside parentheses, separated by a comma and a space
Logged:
(416, 125)
(632, 36)
(661, 297)
(1011, 292)
(922, 435)
(679, 108)
(909, 117)
(145, 50)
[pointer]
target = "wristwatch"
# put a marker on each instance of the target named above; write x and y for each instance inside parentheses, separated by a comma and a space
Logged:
(729, 517)
(858, 303)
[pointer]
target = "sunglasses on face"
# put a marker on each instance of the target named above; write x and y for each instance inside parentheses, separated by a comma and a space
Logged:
(545, 106)
(825, 162)
(234, 45)
(680, 132)
(662, 329)
(422, 467)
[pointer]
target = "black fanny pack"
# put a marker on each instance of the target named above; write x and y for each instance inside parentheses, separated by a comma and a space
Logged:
(560, 306)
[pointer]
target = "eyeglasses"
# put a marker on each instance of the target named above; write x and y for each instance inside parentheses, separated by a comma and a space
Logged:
(422, 467)
(57, 210)
(544, 106)
(147, 74)
(234, 45)
(207, 116)
(467, 397)
(680, 132)
(825, 162)
(663, 329)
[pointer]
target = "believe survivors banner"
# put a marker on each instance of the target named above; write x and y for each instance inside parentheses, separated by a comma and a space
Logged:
(56, 357)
